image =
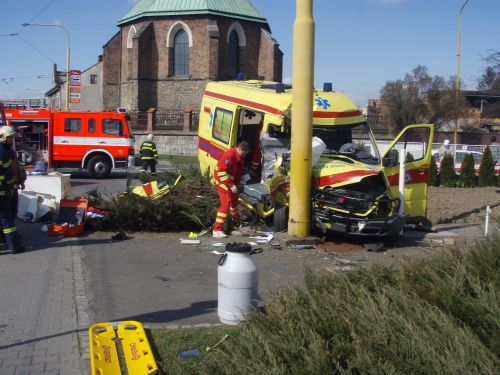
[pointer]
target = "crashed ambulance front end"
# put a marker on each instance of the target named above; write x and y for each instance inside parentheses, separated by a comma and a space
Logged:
(352, 197)
(351, 193)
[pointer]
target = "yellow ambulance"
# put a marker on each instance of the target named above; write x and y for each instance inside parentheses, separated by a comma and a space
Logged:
(354, 186)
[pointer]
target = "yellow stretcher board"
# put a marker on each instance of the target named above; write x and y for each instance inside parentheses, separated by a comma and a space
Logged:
(131, 338)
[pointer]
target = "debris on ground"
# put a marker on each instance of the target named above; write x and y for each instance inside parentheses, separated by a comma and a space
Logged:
(120, 236)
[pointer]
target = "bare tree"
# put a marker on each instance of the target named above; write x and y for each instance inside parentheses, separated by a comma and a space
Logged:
(420, 98)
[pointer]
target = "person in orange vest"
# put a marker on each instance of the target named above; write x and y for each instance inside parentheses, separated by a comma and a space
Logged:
(227, 176)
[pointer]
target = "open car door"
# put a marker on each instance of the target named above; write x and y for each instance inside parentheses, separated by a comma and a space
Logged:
(417, 140)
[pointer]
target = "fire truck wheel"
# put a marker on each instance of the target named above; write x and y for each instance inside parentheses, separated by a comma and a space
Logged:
(99, 167)
(280, 218)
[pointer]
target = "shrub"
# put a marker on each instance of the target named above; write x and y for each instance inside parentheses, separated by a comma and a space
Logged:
(447, 175)
(487, 169)
(467, 175)
(436, 316)
(434, 173)
(190, 205)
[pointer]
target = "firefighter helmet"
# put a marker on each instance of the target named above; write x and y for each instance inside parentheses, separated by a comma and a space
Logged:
(6, 131)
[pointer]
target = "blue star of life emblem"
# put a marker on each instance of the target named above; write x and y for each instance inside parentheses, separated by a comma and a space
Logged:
(323, 103)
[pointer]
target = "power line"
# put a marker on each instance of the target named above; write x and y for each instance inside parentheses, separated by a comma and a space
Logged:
(36, 49)
(24, 77)
(35, 16)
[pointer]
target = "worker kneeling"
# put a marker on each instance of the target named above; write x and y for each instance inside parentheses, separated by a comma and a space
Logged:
(227, 176)
(7, 190)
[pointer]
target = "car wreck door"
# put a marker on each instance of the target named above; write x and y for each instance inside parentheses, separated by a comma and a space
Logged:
(417, 140)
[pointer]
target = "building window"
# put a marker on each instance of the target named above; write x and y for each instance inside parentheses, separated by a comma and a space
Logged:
(181, 53)
(93, 79)
(233, 66)
(112, 127)
(72, 125)
(222, 125)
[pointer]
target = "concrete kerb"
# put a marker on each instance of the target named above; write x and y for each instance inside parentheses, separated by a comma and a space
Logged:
(82, 306)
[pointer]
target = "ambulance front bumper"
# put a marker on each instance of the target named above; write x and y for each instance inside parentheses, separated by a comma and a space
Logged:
(330, 222)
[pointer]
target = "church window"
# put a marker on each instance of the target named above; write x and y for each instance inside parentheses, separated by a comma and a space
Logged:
(233, 55)
(181, 53)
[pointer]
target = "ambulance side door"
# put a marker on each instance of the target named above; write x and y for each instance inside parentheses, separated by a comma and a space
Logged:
(417, 141)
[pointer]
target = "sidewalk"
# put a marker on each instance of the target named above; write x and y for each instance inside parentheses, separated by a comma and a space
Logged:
(38, 310)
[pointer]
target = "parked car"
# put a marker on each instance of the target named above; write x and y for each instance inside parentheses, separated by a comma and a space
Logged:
(459, 159)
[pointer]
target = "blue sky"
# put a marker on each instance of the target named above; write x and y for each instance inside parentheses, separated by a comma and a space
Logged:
(360, 44)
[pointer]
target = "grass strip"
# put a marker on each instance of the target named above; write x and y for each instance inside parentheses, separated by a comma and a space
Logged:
(435, 316)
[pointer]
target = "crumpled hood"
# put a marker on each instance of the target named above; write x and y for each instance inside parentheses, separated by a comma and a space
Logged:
(337, 172)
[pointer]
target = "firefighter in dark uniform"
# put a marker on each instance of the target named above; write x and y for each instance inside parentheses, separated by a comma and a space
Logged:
(149, 155)
(7, 178)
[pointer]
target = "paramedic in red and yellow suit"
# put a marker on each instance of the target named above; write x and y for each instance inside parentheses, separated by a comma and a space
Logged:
(227, 175)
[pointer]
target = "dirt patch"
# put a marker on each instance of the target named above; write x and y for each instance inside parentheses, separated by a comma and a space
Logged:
(453, 204)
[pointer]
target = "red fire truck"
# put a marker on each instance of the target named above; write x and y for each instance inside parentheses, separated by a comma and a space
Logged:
(97, 142)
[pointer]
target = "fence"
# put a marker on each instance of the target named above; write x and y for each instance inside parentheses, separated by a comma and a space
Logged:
(164, 120)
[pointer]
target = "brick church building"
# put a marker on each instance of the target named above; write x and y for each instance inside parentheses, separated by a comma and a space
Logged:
(167, 50)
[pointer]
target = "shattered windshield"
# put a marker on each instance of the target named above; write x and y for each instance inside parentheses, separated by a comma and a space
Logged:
(354, 141)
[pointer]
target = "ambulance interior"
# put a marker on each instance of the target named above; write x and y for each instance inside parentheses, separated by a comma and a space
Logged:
(31, 141)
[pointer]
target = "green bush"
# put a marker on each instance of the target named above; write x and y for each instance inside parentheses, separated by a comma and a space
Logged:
(467, 175)
(434, 173)
(447, 176)
(487, 169)
(190, 205)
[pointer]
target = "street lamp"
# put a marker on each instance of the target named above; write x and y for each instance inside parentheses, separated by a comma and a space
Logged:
(457, 78)
(67, 54)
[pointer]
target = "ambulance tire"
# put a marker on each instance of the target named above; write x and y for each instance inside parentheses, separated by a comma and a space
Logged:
(280, 218)
(99, 167)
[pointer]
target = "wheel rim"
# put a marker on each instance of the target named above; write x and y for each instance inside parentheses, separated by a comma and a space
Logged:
(100, 167)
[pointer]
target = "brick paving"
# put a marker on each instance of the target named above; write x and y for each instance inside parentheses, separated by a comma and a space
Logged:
(39, 331)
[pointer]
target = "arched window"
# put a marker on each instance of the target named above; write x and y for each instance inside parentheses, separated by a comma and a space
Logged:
(131, 33)
(233, 66)
(181, 53)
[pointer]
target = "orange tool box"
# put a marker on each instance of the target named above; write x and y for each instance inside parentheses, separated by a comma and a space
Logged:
(71, 219)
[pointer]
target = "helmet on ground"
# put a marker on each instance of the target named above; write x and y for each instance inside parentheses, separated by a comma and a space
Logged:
(150, 137)
(446, 142)
(6, 131)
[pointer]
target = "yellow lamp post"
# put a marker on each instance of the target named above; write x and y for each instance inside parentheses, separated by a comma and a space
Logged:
(457, 78)
(302, 98)
(67, 54)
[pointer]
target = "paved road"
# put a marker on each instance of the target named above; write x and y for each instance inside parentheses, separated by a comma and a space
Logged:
(38, 311)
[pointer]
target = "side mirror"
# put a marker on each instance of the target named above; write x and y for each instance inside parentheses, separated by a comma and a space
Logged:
(391, 159)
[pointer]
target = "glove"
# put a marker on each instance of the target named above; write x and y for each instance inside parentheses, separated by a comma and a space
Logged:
(234, 189)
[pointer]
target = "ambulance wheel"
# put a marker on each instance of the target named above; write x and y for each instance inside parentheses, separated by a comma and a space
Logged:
(280, 218)
(99, 167)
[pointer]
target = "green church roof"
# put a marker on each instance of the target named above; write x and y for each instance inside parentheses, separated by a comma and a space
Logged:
(242, 9)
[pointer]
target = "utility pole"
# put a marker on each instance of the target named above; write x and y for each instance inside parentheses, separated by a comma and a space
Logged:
(457, 78)
(299, 223)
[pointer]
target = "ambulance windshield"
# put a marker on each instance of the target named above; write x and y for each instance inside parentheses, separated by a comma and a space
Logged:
(354, 141)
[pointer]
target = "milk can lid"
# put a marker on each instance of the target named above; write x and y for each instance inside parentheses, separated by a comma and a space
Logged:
(238, 247)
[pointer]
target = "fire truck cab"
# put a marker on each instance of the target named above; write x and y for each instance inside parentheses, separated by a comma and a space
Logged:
(97, 142)
(354, 187)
